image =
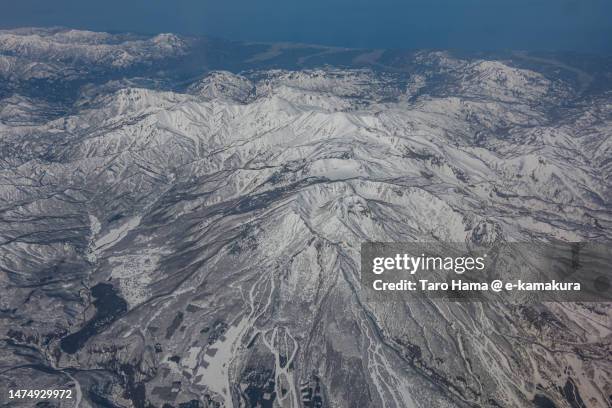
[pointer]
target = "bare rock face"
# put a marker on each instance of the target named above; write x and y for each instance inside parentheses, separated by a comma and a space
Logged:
(181, 221)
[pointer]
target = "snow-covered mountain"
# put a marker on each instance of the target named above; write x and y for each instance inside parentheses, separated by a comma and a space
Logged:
(174, 235)
(44, 53)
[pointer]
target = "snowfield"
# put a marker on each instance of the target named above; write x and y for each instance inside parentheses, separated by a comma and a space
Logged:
(226, 207)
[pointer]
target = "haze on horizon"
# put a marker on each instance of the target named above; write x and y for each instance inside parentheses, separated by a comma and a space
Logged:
(534, 25)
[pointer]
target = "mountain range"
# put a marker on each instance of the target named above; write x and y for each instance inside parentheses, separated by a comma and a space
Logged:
(181, 220)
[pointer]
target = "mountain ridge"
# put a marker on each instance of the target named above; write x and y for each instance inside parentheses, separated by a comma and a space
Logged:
(226, 210)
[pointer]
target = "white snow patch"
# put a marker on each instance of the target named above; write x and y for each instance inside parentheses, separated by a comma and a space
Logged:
(216, 375)
(117, 234)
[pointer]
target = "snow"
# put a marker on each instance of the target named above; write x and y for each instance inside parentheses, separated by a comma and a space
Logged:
(266, 183)
(116, 234)
(134, 273)
(215, 375)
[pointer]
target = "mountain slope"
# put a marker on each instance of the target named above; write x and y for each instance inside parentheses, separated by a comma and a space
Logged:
(200, 242)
